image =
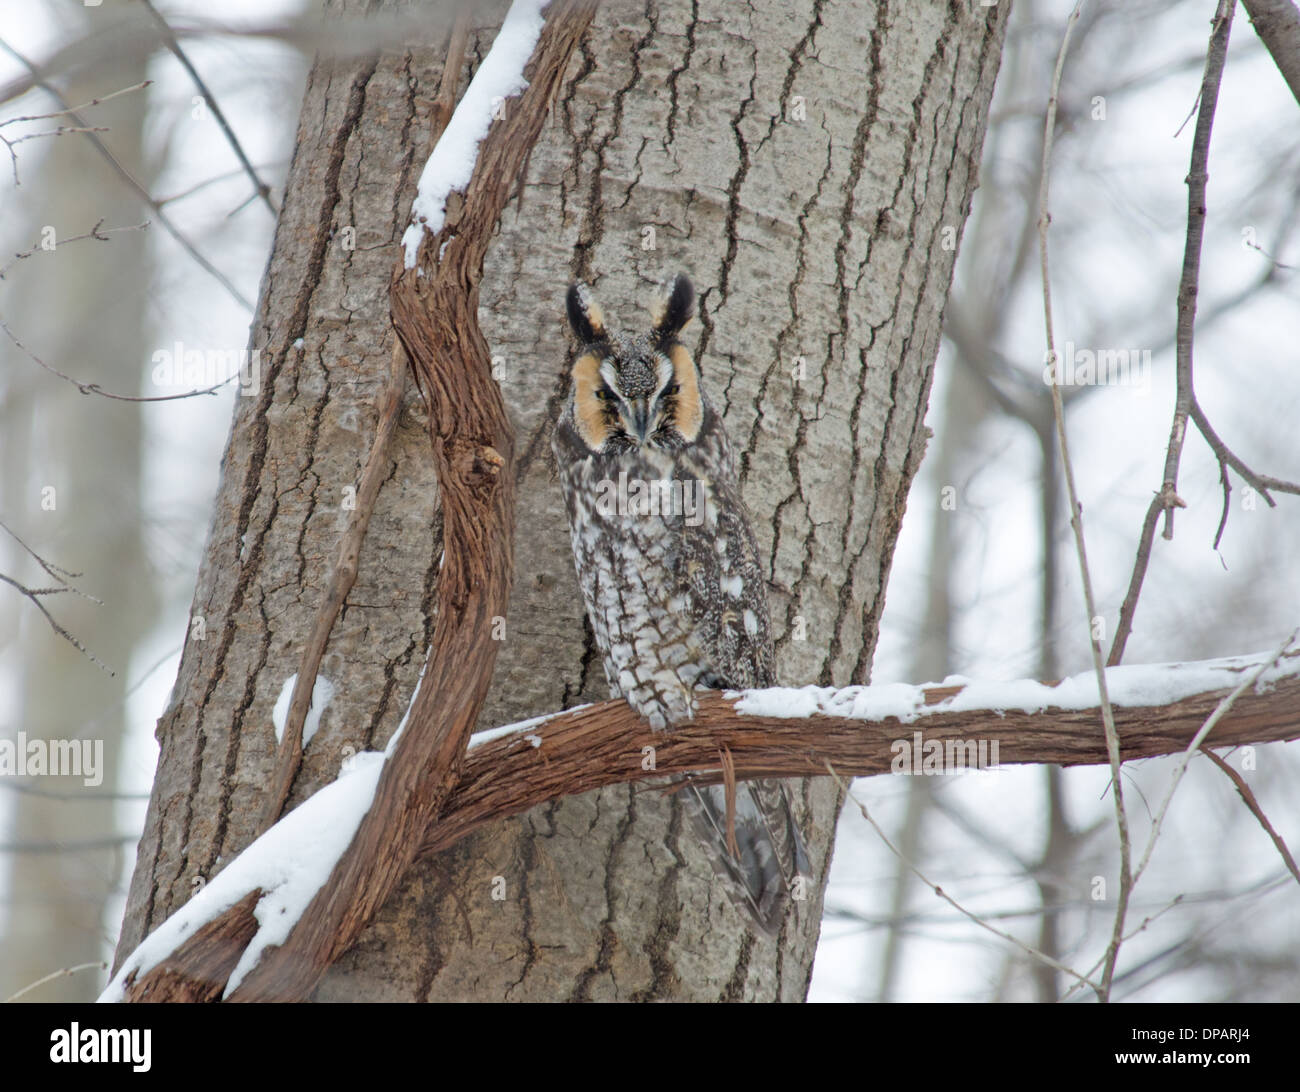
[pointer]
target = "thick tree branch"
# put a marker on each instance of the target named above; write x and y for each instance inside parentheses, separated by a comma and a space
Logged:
(604, 744)
(1159, 710)
(288, 757)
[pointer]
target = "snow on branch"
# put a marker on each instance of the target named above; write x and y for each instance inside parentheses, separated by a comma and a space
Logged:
(866, 730)
(451, 164)
(859, 730)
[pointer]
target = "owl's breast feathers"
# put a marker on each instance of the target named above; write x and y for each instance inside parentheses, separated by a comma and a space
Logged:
(669, 569)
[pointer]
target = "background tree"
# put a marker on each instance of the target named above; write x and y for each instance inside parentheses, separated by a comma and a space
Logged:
(66, 855)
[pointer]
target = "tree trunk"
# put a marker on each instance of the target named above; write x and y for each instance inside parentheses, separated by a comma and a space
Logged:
(812, 174)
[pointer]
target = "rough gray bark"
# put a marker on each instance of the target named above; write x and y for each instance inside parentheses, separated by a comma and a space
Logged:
(802, 168)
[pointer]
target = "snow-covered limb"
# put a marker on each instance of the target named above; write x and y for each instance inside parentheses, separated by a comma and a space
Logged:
(864, 730)
(1135, 686)
(782, 731)
(450, 166)
(288, 865)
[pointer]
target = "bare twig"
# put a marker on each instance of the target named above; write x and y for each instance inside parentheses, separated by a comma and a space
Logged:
(97, 232)
(1261, 483)
(57, 571)
(1178, 900)
(1076, 522)
(129, 179)
(95, 388)
(1213, 719)
(63, 972)
(1167, 499)
(65, 578)
(77, 109)
(1226, 482)
(189, 191)
(61, 129)
(262, 189)
(34, 595)
(1034, 952)
(1255, 809)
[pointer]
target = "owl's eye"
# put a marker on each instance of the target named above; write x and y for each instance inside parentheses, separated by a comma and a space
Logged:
(605, 394)
(673, 388)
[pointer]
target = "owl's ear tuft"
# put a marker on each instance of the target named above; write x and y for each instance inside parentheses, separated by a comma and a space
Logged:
(585, 315)
(673, 308)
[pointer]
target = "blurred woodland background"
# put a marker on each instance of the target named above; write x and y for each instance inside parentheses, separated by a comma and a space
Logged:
(163, 229)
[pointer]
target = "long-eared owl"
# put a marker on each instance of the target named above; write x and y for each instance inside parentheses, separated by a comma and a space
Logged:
(669, 567)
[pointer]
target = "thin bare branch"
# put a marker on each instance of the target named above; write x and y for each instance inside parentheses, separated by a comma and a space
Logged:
(1076, 522)
(1027, 949)
(64, 577)
(77, 109)
(1261, 483)
(63, 972)
(57, 571)
(130, 180)
(98, 232)
(1258, 812)
(1185, 405)
(261, 188)
(34, 595)
(95, 388)
(1213, 719)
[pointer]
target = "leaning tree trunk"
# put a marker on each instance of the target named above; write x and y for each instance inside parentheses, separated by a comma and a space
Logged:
(812, 174)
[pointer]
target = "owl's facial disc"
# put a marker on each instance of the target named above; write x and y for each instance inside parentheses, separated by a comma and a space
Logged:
(629, 393)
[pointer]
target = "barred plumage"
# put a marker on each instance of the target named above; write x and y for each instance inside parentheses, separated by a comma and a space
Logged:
(668, 565)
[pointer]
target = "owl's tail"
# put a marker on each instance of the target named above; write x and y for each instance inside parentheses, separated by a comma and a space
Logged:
(773, 864)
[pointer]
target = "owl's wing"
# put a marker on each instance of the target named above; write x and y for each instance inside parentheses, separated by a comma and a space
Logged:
(724, 582)
(721, 575)
(772, 853)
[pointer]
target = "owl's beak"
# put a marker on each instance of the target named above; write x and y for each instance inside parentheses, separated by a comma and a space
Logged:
(641, 417)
